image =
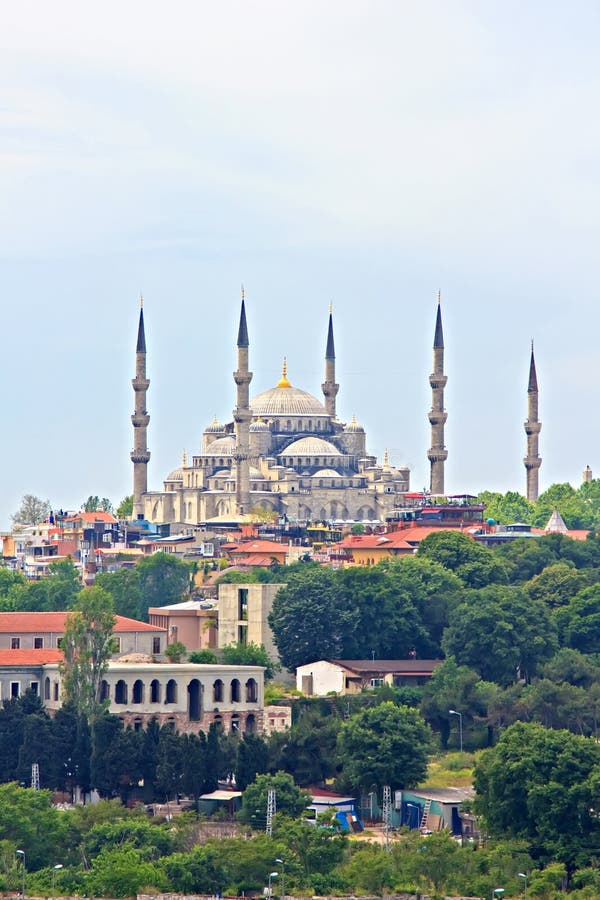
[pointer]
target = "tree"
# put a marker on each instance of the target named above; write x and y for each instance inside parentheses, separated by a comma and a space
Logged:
(455, 687)
(542, 785)
(241, 654)
(175, 651)
(310, 617)
(202, 657)
(291, 800)
(124, 587)
(506, 508)
(88, 645)
(578, 623)
(252, 758)
(557, 584)
(473, 563)
(308, 750)
(519, 634)
(94, 503)
(32, 511)
(386, 744)
(28, 819)
(116, 757)
(125, 508)
(163, 580)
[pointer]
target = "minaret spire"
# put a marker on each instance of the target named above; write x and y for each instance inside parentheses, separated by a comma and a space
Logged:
(437, 454)
(242, 416)
(140, 455)
(533, 427)
(329, 386)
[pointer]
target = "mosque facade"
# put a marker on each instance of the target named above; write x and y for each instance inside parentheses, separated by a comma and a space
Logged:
(284, 452)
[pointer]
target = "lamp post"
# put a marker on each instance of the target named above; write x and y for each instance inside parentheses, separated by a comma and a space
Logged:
(497, 893)
(524, 876)
(281, 863)
(55, 869)
(271, 875)
(454, 712)
(21, 853)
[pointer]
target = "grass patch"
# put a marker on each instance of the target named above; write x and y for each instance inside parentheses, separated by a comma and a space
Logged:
(450, 770)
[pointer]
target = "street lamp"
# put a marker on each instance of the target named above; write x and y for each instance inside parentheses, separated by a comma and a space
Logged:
(281, 863)
(55, 869)
(453, 712)
(21, 853)
(524, 876)
(497, 893)
(271, 875)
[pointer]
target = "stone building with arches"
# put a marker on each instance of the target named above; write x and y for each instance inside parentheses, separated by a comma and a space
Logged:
(285, 452)
(191, 696)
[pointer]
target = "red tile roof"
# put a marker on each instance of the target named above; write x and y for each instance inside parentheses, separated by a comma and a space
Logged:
(20, 622)
(256, 547)
(98, 516)
(29, 657)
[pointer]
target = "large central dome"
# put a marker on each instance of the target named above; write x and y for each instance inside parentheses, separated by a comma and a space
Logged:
(285, 400)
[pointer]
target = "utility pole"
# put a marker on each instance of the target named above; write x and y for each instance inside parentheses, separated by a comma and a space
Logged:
(387, 815)
(271, 810)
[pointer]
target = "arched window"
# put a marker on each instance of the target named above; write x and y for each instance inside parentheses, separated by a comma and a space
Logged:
(104, 690)
(46, 689)
(194, 700)
(155, 691)
(218, 722)
(235, 723)
(56, 690)
(235, 691)
(137, 694)
(171, 692)
(218, 691)
(120, 691)
(251, 691)
(250, 723)
(137, 724)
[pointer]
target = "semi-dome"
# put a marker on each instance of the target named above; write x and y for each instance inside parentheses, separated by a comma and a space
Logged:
(285, 400)
(310, 446)
(327, 473)
(221, 447)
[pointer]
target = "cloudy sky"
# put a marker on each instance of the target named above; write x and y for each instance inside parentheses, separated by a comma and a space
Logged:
(365, 154)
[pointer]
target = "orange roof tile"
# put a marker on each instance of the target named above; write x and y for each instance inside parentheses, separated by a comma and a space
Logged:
(257, 547)
(29, 622)
(29, 657)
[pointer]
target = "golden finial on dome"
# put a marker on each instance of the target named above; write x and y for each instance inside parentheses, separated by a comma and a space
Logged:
(439, 297)
(141, 300)
(243, 293)
(283, 381)
(330, 308)
(184, 459)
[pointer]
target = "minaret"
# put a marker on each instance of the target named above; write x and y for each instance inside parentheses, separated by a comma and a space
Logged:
(242, 416)
(329, 387)
(437, 454)
(533, 427)
(140, 454)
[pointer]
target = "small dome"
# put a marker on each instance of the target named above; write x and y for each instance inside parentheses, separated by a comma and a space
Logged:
(221, 473)
(310, 446)
(256, 474)
(353, 427)
(175, 475)
(221, 446)
(327, 473)
(259, 426)
(215, 427)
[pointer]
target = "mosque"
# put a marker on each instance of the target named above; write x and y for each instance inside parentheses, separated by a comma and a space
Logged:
(285, 452)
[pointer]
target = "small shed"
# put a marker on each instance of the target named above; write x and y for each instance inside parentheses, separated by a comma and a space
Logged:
(346, 809)
(432, 810)
(219, 799)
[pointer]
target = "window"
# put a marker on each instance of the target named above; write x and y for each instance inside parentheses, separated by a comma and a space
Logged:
(117, 643)
(15, 644)
(217, 691)
(46, 689)
(15, 688)
(59, 642)
(120, 691)
(377, 682)
(171, 696)
(251, 691)
(38, 643)
(235, 691)
(156, 645)
(155, 691)
(34, 687)
(56, 690)
(137, 694)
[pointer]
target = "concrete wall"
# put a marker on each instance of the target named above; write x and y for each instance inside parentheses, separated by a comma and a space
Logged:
(259, 602)
(320, 678)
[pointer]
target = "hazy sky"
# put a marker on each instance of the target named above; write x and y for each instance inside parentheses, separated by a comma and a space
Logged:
(359, 153)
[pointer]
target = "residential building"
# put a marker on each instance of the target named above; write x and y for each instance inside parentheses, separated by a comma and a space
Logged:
(351, 676)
